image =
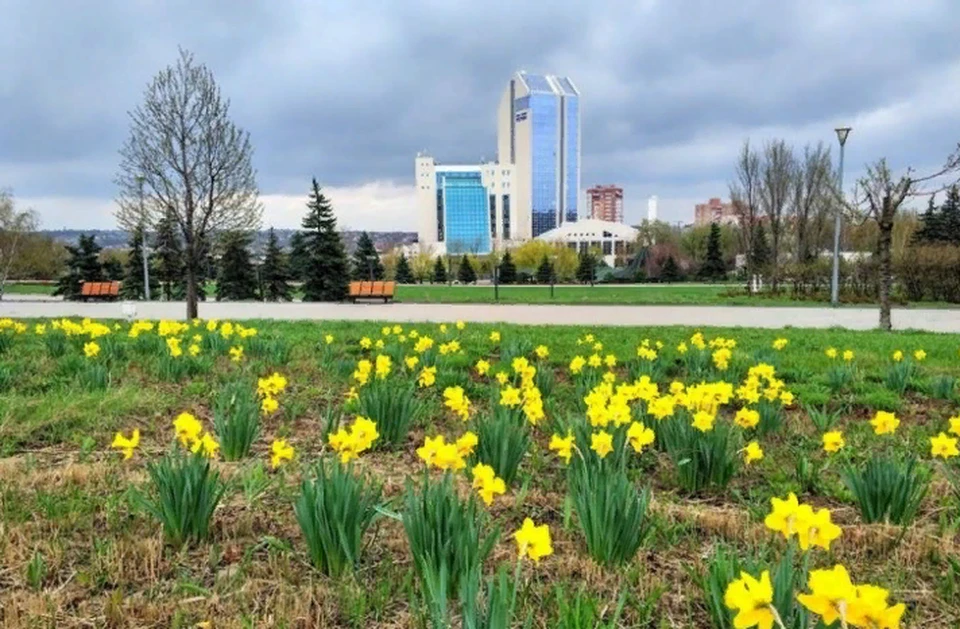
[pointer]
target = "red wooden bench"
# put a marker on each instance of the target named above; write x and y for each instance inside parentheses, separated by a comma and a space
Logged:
(108, 291)
(372, 290)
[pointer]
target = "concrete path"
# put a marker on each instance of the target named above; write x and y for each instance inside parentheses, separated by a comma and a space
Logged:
(744, 316)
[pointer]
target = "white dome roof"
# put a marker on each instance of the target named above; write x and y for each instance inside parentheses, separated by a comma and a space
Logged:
(590, 228)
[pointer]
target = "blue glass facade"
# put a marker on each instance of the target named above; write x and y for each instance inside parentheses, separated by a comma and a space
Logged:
(464, 203)
(545, 135)
(571, 155)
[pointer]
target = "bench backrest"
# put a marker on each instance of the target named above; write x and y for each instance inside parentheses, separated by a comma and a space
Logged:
(355, 289)
(366, 289)
(389, 288)
(100, 289)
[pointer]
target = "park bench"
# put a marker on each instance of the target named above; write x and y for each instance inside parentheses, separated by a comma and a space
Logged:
(108, 291)
(372, 290)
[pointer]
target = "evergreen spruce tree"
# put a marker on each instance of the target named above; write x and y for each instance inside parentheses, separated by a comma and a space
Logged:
(297, 257)
(83, 265)
(586, 269)
(324, 260)
(236, 278)
(403, 274)
(169, 258)
(713, 267)
(508, 270)
(465, 273)
(112, 268)
(545, 271)
(132, 287)
(366, 260)
(274, 272)
(760, 255)
(950, 217)
(670, 272)
(439, 272)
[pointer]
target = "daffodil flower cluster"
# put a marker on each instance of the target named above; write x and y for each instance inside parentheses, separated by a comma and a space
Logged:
(436, 452)
(350, 444)
(457, 401)
(487, 483)
(190, 434)
(269, 389)
(812, 527)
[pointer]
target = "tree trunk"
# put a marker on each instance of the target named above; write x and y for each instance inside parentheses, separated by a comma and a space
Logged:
(884, 243)
(191, 271)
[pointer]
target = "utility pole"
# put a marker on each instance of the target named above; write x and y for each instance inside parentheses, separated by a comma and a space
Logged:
(842, 133)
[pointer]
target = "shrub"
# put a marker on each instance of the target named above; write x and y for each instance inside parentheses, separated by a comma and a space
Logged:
(185, 494)
(702, 459)
(823, 419)
(944, 387)
(334, 510)
(611, 512)
(444, 533)
(503, 441)
(888, 490)
(93, 376)
(236, 419)
(900, 374)
(393, 406)
(56, 343)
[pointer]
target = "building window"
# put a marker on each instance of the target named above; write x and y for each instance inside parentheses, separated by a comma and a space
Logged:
(467, 213)
(440, 230)
(493, 215)
(506, 216)
(545, 148)
(607, 247)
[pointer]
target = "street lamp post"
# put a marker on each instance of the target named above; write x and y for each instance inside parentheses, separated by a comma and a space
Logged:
(842, 133)
(143, 244)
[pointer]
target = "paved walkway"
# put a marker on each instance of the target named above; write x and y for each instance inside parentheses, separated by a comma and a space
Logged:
(746, 316)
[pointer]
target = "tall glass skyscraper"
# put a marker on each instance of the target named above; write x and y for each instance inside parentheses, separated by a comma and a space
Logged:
(539, 134)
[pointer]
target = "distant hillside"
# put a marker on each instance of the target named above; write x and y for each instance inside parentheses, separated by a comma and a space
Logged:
(118, 239)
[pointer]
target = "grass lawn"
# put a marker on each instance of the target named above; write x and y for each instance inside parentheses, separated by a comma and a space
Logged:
(80, 548)
(29, 289)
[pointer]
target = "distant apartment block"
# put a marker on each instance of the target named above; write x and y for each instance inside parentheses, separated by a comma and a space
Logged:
(714, 211)
(606, 203)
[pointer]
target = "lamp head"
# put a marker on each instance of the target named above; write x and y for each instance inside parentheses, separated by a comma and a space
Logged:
(842, 133)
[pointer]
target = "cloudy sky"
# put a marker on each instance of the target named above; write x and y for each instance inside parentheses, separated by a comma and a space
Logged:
(349, 90)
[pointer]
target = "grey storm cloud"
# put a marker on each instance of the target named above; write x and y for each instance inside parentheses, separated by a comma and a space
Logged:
(350, 91)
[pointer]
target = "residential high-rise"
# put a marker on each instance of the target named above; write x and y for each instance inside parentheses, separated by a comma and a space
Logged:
(538, 133)
(606, 203)
(463, 208)
(652, 209)
(714, 211)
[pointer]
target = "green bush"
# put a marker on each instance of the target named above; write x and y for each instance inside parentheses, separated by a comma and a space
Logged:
(445, 536)
(823, 419)
(394, 406)
(888, 490)
(611, 512)
(334, 510)
(185, 493)
(236, 419)
(503, 440)
(703, 460)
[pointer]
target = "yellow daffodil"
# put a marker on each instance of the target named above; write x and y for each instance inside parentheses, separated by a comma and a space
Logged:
(782, 517)
(280, 451)
(495, 337)
(482, 367)
(640, 436)
(601, 443)
(746, 418)
(366, 343)
(831, 352)
(897, 356)
(814, 528)
(427, 377)
(541, 351)
(236, 354)
(833, 441)
(753, 601)
(780, 343)
(955, 425)
(563, 446)
(125, 445)
(487, 483)
(187, 428)
(753, 452)
(411, 362)
(919, 355)
(533, 541)
(831, 594)
(269, 405)
(703, 421)
(884, 423)
(91, 349)
(943, 446)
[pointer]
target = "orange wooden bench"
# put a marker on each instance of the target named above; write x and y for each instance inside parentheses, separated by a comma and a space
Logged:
(108, 291)
(372, 290)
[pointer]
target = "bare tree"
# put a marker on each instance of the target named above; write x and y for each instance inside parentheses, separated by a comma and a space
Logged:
(880, 194)
(745, 196)
(187, 158)
(812, 199)
(776, 175)
(14, 226)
